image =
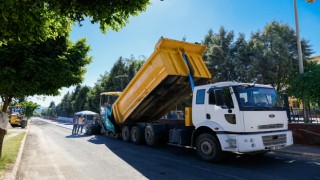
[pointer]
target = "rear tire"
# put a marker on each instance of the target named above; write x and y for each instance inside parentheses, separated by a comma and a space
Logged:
(125, 133)
(208, 147)
(136, 135)
(150, 136)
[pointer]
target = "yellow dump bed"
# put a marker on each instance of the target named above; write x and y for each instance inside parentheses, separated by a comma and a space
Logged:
(161, 83)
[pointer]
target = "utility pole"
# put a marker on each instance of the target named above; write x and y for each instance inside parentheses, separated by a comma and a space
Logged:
(301, 69)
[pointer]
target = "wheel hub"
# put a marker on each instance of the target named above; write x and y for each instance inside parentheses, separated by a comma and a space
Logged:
(206, 148)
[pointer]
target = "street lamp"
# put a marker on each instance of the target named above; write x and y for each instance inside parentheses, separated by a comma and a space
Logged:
(301, 70)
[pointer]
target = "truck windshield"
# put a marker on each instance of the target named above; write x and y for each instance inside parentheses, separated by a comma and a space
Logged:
(258, 98)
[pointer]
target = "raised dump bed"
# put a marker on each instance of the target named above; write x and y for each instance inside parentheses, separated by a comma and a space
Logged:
(161, 83)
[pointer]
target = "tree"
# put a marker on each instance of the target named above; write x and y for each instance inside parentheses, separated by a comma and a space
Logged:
(65, 108)
(93, 102)
(118, 77)
(241, 53)
(81, 99)
(306, 86)
(44, 68)
(30, 108)
(38, 21)
(50, 111)
(73, 98)
(268, 57)
(89, 98)
(219, 54)
(275, 56)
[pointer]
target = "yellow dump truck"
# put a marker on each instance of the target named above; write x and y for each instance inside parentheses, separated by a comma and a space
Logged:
(217, 121)
(17, 116)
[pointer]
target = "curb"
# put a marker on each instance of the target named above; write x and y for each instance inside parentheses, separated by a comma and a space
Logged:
(11, 175)
(48, 121)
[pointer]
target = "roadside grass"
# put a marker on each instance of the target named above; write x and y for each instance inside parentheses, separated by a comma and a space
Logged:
(8, 133)
(10, 149)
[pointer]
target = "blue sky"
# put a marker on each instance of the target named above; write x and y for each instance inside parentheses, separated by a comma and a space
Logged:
(192, 19)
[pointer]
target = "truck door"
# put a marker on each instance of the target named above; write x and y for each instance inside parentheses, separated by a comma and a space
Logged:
(220, 109)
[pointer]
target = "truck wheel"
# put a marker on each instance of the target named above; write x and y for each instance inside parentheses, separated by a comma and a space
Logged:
(88, 130)
(150, 136)
(24, 124)
(125, 134)
(136, 135)
(208, 147)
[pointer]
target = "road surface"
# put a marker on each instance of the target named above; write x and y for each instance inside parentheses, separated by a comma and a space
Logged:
(51, 152)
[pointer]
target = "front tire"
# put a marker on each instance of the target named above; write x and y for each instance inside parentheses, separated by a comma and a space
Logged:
(208, 147)
(24, 124)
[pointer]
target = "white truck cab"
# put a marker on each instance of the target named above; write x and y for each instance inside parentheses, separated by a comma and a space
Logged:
(242, 117)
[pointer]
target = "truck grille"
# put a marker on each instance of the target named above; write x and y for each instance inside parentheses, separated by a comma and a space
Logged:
(274, 139)
(270, 126)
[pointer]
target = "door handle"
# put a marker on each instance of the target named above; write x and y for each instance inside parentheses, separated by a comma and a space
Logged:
(208, 116)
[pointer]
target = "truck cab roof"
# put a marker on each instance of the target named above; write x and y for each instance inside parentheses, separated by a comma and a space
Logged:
(231, 83)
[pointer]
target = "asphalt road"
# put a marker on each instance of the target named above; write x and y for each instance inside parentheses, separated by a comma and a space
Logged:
(51, 152)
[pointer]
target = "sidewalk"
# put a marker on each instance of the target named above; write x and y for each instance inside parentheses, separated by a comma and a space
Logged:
(301, 150)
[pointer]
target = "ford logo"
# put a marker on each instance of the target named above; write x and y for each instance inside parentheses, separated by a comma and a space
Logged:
(272, 115)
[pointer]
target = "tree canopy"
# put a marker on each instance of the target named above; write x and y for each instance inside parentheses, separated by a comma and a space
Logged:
(30, 107)
(36, 21)
(306, 86)
(87, 98)
(41, 68)
(267, 57)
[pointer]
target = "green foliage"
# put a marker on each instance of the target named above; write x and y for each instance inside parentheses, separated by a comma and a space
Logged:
(41, 68)
(242, 54)
(30, 108)
(86, 98)
(94, 98)
(306, 86)
(81, 99)
(219, 54)
(65, 108)
(37, 21)
(10, 150)
(50, 111)
(268, 57)
(275, 56)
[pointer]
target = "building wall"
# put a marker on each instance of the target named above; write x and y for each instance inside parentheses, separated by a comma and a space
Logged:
(316, 59)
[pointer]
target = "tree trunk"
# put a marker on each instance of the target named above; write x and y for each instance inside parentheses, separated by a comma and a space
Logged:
(2, 133)
(4, 119)
(6, 101)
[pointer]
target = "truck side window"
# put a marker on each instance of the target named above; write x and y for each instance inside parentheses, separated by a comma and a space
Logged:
(223, 98)
(228, 103)
(200, 96)
(212, 98)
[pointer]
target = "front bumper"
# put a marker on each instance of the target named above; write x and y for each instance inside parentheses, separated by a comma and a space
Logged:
(246, 143)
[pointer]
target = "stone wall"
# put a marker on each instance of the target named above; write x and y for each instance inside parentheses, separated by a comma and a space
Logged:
(308, 134)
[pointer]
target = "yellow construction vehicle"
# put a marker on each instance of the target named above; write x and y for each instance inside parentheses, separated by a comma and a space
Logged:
(17, 116)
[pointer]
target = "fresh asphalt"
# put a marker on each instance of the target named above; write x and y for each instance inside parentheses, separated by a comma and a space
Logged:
(54, 153)
(296, 149)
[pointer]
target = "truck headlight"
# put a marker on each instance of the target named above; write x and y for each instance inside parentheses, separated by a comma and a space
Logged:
(232, 143)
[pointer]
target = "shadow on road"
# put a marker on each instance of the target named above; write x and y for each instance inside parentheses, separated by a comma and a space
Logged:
(76, 136)
(167, 161)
